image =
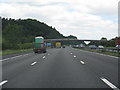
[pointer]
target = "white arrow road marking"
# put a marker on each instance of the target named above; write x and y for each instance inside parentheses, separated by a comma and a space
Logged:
(3, 82)
(109, 84)
(71, 53)
(82, 62)
(33, 63)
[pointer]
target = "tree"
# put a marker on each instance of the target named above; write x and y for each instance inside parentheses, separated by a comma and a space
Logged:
(21, 31)
(103, 38)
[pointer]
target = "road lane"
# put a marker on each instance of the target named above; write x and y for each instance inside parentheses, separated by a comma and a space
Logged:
(58, 70)
(104, 66)
(14, 67)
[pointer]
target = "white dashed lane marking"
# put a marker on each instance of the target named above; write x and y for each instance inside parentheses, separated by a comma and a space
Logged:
(33, 63)
(82, 62)
(44, 57)
(74, 56)
(3, 82)
(109, 84)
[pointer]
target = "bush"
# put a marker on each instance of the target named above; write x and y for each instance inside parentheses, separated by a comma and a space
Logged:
(25, 46)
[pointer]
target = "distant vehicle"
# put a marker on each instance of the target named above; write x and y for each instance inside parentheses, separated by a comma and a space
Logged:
(117, 46)
(92, 47)
(39, 45)
(81, 45)
(117, 41)
(73, 46)
(58, 44)
(76, 46)
(100, 47)
(52, 46)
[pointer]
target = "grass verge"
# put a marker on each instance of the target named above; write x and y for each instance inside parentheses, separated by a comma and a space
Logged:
(8, 52)
(102, 52)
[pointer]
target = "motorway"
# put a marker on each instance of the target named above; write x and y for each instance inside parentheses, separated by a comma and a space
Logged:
(60, 68)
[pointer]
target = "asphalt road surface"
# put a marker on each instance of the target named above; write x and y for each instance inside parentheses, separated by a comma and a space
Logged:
(60, 68)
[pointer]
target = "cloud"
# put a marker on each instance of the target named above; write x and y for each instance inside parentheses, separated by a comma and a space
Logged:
(83, 18)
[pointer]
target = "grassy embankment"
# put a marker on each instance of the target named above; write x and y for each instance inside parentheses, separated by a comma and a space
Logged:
(102, 52)
(7, 52)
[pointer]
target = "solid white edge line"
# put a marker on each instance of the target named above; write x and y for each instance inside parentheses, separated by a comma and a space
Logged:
(13, 57)
(109, 84)
(3, 82)
(82, 62)
(34, 63)
(4, 59)
(16, 56)
(25, 54)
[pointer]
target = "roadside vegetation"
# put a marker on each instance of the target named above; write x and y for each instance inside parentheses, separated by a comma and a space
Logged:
(21, 32)
(7, 52)
(117, 54)
(0, 53)
(108, 44)
(18, 35)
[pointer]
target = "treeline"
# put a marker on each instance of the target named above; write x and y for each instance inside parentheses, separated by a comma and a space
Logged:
(107, 43)
(20, 33)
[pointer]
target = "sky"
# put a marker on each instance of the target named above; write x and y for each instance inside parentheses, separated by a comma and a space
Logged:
(85, 19)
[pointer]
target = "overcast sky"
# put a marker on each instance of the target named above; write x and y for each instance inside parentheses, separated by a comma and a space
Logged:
(86, 19)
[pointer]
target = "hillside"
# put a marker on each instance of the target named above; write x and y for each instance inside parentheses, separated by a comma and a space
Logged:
(18, 32)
